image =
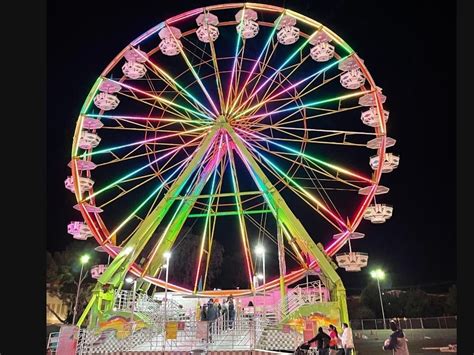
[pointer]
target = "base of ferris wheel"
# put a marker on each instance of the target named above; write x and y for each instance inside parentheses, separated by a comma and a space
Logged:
(143, 324)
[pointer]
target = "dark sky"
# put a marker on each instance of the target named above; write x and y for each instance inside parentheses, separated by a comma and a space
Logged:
(408, 47)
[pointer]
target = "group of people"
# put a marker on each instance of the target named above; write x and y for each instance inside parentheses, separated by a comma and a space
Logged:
(213, 310)
(333, 344)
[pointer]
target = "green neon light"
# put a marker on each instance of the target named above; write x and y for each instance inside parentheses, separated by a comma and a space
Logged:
(267, 44)
(140, 206)
(107, 150)
(311, 158)
(229, 213)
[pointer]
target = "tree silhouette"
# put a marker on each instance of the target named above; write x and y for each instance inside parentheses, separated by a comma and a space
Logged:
(185, 255)
(451, 301)
(62, 276)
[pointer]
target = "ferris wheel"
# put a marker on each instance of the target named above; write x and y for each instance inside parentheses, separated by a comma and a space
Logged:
(247, 123)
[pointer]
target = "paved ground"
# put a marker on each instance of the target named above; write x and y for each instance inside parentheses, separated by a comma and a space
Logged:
(417, 339)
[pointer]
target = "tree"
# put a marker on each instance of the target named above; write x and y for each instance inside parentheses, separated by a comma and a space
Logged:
(62, 276)
(451, 301)
(393, 306)
(188, 249)
(361, 312)
(235, 272)
(370, 299)
(416, 303)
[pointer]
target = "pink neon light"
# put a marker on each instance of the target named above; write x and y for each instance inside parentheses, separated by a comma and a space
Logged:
(335, 167)
(322, 206)
(246, 251)
(145, 141)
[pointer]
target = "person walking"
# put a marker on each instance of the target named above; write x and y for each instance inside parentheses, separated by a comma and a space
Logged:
(347, 339)
(322, 342)
(397, 341)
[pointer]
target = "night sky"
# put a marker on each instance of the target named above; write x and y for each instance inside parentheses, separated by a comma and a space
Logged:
(409, 53)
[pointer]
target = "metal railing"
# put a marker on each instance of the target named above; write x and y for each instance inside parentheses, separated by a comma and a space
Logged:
(302, 294)
(406, 323)
(52, 342)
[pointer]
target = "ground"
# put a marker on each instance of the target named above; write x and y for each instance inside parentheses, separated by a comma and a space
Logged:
(417, 339)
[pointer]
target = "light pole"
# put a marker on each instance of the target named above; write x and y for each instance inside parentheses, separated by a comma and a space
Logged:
(84, 259)
(379, 275)
(167, 256)
(260, 250)
(134, 290)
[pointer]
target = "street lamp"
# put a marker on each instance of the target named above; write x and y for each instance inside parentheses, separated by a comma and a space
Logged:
(260, 250)
(379, 275)
(130, 280)
(84, 260)
(167, 256)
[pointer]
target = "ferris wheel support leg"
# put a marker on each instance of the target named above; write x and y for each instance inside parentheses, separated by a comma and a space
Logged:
(292, 223)
(113, 277)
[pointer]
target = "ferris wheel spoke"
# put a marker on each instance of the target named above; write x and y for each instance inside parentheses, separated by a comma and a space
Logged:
(220, 171)
(124, 191)
(136, 171)
(286, 217)
(318, 169)
(316, 130)
(160, 100)
(145, 141)
(322, 139)
(149, 177)
(207, 227)
(280, 79)
(311, 104)
(142, 235)
(220, 90)
(294, 185)
(326, 112)
(135, 119)
(195, 74)
(266, 233)
(267, 98)
(312, 159)
(177, 87)
(255, 80)
(243, 229)
(182, 212)
(154, 193)
(323, 192)
(257, 61)
(149, 152)
(234, 65)
(300, 194)
(288, 59)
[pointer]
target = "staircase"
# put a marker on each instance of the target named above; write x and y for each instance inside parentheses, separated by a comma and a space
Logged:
(148, 315)
(304, 297)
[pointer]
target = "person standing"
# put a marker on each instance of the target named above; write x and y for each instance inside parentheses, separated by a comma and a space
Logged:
(346, 339)
(322, 342)
(335, 341)
(397, 341)
(225, 313)
(231, 311)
